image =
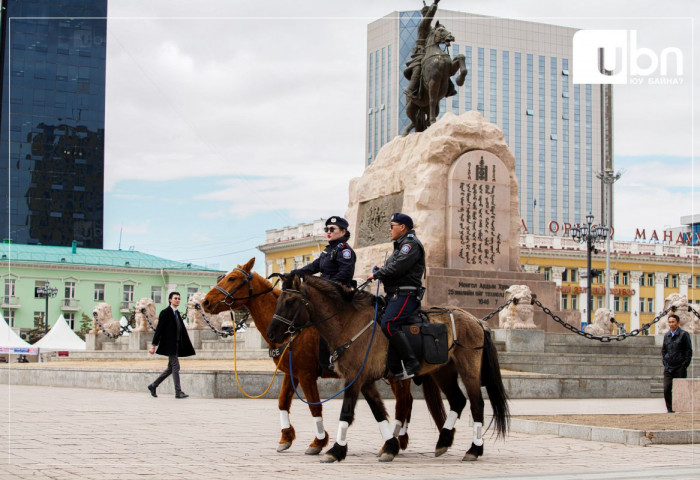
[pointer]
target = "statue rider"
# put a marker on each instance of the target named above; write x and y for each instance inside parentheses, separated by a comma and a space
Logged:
(414, 67)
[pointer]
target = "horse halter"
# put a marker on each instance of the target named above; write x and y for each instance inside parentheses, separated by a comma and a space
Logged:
(229, 299)
(304, 302)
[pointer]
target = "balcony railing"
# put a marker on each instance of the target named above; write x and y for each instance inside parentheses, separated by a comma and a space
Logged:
(126, 307)
(70, 305)
(10, 301)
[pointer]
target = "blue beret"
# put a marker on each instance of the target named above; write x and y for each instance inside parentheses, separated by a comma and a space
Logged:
(402, 219)
(340, 222)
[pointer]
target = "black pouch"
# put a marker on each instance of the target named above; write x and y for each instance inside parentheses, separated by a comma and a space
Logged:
(434, 343)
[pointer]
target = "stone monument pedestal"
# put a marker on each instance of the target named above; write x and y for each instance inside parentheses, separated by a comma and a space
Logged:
(94, 341)
(140, 340)
(686, 394)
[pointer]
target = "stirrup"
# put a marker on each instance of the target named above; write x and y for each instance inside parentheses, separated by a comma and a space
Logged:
(404, 375)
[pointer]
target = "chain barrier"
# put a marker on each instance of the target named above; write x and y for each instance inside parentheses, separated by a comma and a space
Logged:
(603, 338)
(148, 319)
(225, 332)
(498, 310)
(122, 330)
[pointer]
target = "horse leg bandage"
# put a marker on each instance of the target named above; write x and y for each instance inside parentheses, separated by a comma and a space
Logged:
(385, 430)
(478, 441)
(404, 429)
(341, 437)
(451, 420)
(284, 419)
(318, 428)
(397, 427)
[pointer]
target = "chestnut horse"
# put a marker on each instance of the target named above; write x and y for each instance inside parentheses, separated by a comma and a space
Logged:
(244, 288)
(472, 357)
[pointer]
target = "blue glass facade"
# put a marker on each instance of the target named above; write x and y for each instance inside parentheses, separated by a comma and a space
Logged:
(527, 94)
(52, 125)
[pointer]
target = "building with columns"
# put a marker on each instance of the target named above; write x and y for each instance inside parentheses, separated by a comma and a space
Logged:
(642, 274)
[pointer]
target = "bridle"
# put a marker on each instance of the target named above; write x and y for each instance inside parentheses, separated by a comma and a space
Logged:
(293, 329)
(229, 299)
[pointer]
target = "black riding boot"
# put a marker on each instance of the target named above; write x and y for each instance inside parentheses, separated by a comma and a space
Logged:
(411, 365)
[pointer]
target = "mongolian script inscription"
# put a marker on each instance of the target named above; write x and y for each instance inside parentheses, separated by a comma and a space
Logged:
(374, 219)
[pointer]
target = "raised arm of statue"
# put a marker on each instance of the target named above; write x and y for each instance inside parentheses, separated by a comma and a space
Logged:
(425, 24)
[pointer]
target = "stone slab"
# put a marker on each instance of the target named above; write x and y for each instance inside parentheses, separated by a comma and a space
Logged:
(686, 394)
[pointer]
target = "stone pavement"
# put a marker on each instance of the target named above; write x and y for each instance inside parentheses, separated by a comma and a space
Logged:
(67, 434)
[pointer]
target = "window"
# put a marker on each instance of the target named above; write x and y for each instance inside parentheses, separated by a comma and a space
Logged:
(643, 280)
(9, 317)
(625, 278)
(574, 302)
(642, 305)
(650, 279)
(70, 290)
(674, 281)
(617, 303)
(565, 275)
(666, 281)
(625, 304)
(128, 293)
(697, 281)
(70, 320)
(157, 294)
(547, 272)
(574, 275)
(37, 285)
(191, 291)
(564, 302)
(99, 295)
(39, 316)
(617, 278)
(599, 299)
(650, 305)
(10, 289)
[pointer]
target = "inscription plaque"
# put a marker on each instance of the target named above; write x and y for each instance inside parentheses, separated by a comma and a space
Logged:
(373, 227)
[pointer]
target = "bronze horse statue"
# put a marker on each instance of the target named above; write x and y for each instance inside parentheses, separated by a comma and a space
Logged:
(338, 313)
(436, 69)
(243, 288)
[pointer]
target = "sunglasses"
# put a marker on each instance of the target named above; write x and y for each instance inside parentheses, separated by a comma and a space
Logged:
(392, 225)
(330, 229)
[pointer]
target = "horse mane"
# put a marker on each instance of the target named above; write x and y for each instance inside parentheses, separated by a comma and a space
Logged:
(341, 293)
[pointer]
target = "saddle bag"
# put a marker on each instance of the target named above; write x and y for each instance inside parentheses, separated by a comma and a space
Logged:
(434, 336)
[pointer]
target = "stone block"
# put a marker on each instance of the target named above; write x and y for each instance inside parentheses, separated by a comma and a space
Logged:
(686, 394)
(140, 340)
(524, 340)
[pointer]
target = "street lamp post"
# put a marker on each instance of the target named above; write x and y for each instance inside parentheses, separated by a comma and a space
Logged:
(46, 291)
(608, 177)
(589, 234)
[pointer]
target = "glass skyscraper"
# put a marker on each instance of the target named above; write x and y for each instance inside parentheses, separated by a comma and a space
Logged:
(519, 78)
(52, 125)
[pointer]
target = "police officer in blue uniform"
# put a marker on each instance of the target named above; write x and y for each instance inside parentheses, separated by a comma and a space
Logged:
(337, 261)
(401, 276)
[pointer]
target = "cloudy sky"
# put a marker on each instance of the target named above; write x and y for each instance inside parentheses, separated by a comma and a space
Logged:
(227, 118)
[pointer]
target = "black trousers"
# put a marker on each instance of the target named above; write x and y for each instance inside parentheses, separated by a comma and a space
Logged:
(668, 384)
(174, 369)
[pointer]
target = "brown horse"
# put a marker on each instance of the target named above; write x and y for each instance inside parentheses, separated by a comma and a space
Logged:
(244, 288)
(472, 357)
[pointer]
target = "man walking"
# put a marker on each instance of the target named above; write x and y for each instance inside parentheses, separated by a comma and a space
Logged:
(676, 352)
(172, 340)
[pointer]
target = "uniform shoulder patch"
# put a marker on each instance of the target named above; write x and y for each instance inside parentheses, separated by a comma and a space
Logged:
(347, 254)
(406, 248)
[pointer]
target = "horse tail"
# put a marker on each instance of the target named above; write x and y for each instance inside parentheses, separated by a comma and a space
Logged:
(433, 399)
(491, 379)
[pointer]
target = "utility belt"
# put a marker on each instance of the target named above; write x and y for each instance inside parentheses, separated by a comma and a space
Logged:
(417, 292)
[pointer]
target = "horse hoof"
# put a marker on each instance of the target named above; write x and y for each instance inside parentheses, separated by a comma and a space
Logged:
(329, 459)
(386, 457)
(403, 441)
(313, 450)
(336, 453)
(440, 451)
(469, 457)
(283, 446)
(473, 453)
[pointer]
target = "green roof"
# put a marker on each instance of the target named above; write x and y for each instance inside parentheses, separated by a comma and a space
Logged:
(15, 252)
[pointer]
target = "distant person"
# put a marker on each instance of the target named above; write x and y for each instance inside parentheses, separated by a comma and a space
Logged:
(676, 352)
(337, 260)
(172, 340)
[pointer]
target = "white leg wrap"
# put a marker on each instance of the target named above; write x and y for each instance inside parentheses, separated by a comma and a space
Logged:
(341, 437)
(478, 441)
(385, 430)
(451, 420)
(284, 419)
(397, 427)
(318, 428)
(404, 429)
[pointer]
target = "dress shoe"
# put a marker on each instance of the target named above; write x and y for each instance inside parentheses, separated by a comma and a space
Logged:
(181, 395)
(152, 389)
(671, 411)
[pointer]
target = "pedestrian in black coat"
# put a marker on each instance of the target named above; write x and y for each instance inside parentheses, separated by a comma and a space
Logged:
(677, 352)
(172, 340)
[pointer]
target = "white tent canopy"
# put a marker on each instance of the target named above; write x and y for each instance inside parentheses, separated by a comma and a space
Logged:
(10, 342)
(61, 337)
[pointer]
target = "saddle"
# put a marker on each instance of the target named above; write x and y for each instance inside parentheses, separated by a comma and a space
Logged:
(428, 341)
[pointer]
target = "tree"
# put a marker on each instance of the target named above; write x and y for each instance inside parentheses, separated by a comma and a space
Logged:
(37, 333)
(85, 326)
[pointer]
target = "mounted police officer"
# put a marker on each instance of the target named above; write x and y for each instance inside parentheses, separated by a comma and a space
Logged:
(337, 261)
(401, 276)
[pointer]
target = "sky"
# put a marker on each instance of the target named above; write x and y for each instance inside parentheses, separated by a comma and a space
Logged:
(228, 118)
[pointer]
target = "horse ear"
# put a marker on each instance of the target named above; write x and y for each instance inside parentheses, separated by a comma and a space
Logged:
(296, 283)
(437, 24)
(248, 266)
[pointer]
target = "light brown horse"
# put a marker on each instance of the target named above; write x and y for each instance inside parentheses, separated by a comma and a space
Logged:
(244, 288)
(337, 313)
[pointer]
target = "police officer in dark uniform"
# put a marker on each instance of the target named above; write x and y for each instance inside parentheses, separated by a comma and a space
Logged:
(401, 276)
(337, 261)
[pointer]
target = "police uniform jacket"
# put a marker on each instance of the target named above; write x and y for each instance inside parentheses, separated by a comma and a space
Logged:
(336, 262)
(171, 335)
(677, 350)
(405, 266)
